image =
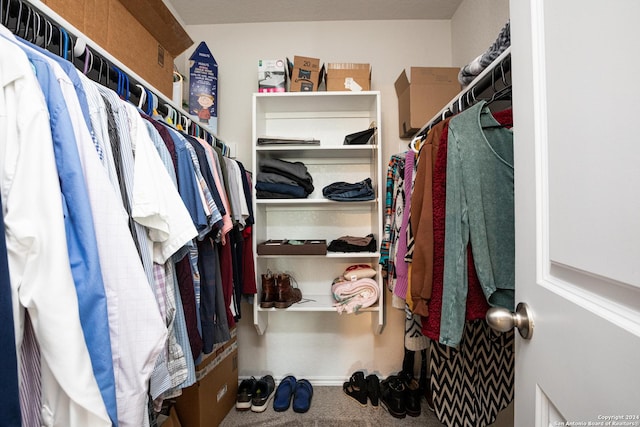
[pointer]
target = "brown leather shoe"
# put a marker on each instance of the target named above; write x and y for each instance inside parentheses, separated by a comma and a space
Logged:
(269, 292)
(287, 295)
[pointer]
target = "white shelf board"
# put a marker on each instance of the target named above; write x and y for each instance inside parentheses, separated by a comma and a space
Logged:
(320, 303)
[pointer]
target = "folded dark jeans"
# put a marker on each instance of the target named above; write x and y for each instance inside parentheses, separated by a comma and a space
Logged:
(346, 192)
(292, 190)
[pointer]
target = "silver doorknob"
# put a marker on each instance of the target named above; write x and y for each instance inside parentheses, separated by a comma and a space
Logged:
(502, 320)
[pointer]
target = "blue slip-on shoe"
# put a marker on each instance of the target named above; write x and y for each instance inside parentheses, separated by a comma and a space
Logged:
(284, 393)
(302, 396)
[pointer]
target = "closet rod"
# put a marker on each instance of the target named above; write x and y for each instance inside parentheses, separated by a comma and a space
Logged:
(115, 72)
(468, 96)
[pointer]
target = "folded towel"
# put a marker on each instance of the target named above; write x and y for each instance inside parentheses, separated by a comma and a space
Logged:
(352, 295)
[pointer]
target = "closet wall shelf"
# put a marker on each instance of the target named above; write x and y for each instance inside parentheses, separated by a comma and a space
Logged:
(313, 201)
(327, 117)
(328, 150)
(341, 255)
(316, 302)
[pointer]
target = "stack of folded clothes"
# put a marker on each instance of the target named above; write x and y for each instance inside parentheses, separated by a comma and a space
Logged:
(279, 179)
(353, 244)
(346, 192)
(355, 289)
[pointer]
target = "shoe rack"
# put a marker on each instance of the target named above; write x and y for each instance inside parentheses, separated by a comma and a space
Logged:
(327, 117)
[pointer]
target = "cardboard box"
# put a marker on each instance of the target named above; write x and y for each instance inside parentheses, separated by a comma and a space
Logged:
(306, 74)
(172, 420)
(271, 75)
(349, 77)
(145, 36)
(210, 399)
(431, 88)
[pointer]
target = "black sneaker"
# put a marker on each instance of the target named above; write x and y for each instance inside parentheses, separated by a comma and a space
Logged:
(373, 389)
(356, 388)
(392, 396)
(262, 393)
(245, 394)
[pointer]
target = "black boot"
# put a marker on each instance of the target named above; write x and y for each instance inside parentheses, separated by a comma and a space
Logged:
(392, 396)
(373, 389)
(413, 394)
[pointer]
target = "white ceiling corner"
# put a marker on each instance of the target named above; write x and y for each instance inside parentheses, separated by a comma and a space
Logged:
(207, 12)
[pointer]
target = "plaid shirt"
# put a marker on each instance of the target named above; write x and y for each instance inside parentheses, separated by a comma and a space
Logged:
(393, 185)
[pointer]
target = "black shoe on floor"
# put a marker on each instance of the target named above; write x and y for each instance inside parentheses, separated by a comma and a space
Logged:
(413, 394)
(373, 389)
(245, 394)
(262, 393)
(392, 396)
(356, 388)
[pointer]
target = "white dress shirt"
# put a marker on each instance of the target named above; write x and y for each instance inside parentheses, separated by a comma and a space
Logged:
(40, 273)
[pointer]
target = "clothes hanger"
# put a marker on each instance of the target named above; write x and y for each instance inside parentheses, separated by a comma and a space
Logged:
(79, 47)
(26, 25)
(47, 40)
(5, 20)
(100, 71)
(154, 104)
(149, 95)
(16, 29)
(413, 144)
(125, 86)
(171, 116)
(119, 80)
(64, 45)
(143, 95)
(186, 122)
(88, 60)
(37, 37)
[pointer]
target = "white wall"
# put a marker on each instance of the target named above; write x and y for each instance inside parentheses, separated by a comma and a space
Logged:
(325, 348)
(475, 26)
(389, 46)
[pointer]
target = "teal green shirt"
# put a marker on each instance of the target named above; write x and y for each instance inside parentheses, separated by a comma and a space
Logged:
(479, 209)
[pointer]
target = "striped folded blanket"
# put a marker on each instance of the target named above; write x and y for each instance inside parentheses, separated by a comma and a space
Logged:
(352, 295)
(475, 67)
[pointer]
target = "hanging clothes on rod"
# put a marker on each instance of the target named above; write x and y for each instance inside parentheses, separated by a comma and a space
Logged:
(129, 260)
(459, 264)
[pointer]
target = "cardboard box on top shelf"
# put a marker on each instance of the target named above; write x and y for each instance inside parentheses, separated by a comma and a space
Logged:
(305, 74)
(348, 77)
(145, 39)
(430, 89)
(210, 399)
(272, 75)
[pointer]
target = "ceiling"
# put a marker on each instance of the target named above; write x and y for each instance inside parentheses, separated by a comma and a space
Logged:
(194, 12)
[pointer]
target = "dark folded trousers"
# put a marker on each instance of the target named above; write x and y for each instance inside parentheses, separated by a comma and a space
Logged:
(346, 192)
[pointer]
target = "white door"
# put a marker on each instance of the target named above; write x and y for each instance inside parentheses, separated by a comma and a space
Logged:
(576, 77)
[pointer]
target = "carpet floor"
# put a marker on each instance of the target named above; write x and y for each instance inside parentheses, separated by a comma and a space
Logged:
(329, 407)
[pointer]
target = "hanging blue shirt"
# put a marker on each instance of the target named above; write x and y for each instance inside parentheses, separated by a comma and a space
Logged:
(187, 184)
(81, 239)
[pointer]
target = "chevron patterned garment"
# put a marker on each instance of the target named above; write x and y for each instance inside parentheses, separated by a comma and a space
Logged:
(472, 383)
